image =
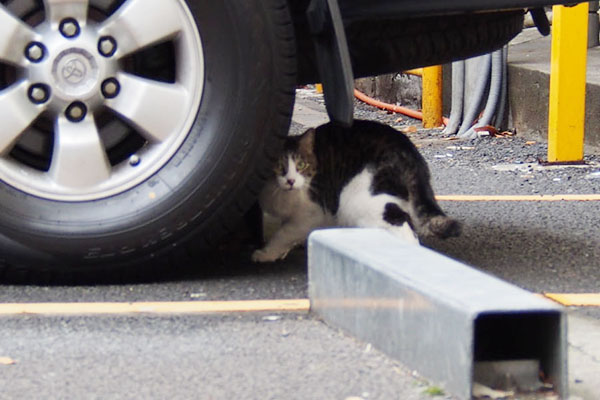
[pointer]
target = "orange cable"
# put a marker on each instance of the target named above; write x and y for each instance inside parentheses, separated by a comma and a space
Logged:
(392, 107)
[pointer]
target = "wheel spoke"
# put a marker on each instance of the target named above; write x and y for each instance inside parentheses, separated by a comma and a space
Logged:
(141, 23)
(79, 159)
(16, 114)
(57, 10)
(14, 37)
(156, 109)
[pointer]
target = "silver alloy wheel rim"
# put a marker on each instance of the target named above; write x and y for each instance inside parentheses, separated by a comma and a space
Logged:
(75, 67)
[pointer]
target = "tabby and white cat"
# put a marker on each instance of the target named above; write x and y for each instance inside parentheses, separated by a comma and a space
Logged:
(369, 175)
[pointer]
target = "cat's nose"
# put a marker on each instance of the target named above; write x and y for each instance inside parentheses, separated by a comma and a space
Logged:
(291, 181)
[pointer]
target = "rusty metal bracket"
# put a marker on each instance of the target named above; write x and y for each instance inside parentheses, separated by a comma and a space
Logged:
(546, 163)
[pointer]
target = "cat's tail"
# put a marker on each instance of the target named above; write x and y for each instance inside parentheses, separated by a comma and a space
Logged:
(440, 226)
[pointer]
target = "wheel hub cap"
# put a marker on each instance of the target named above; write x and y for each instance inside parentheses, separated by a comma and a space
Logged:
(75, 72)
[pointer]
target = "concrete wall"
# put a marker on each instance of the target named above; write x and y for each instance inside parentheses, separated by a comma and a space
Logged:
(403, 89)
(529, 88)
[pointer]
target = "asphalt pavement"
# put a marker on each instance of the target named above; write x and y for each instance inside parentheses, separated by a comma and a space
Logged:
(540, 246)
(210, 357)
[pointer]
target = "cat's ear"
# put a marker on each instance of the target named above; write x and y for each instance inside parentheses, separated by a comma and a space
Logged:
(307, 141)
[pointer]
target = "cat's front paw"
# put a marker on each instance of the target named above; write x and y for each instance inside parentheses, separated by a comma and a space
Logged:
(264, 255)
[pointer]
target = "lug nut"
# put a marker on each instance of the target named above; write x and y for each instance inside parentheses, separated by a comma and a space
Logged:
(111, 88)
(35, 52)
(107, 46)
(76, 112)
(134, 160)
(38, 93)
(69, 27)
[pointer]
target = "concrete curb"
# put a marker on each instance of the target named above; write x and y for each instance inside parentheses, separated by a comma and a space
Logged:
(529, 84)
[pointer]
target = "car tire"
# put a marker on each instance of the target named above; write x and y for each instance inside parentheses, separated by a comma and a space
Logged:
(429, 41)
(149, 205)
(394, 45)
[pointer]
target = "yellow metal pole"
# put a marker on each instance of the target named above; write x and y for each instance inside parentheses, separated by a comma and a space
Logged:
(432, 96)
(416, 71)
(566, 114)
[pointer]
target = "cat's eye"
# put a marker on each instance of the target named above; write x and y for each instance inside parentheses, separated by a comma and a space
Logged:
(301, 165)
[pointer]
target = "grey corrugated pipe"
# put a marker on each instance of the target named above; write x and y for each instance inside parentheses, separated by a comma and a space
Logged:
(458, 97)
(593, 25)
(493, 96)
(499, 120)
(477, 98)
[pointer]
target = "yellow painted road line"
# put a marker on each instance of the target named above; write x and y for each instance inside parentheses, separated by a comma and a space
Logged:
(184, 307)
(575, 299)
(543, 197)
(217, 307)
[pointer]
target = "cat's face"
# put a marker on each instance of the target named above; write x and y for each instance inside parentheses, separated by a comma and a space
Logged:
(293, 172)
(298, 165)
